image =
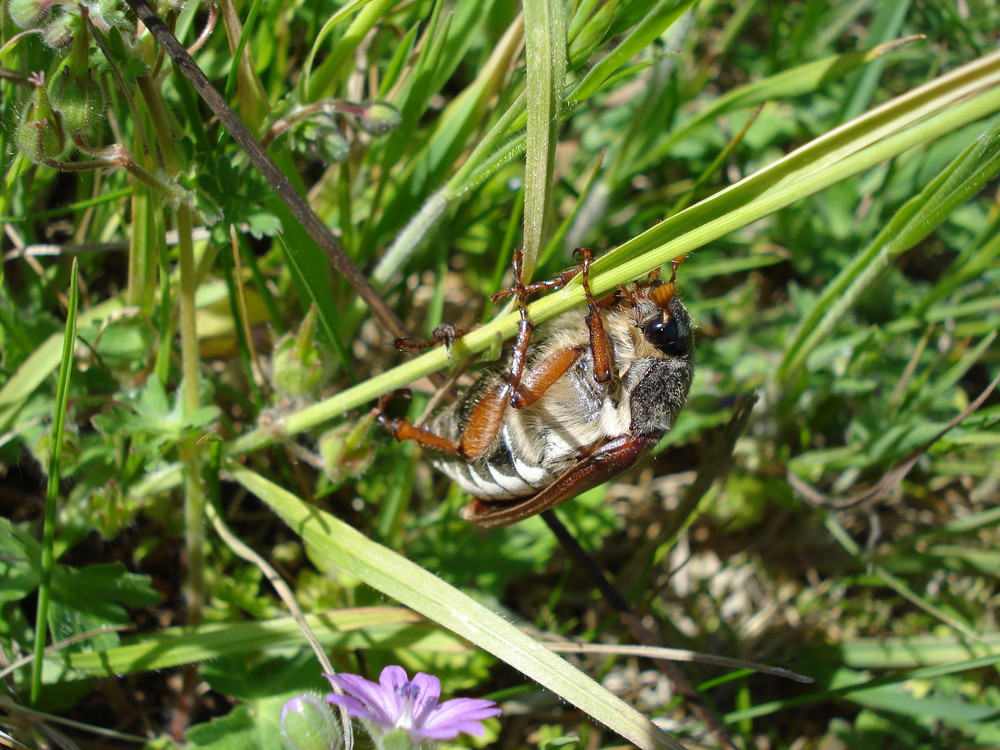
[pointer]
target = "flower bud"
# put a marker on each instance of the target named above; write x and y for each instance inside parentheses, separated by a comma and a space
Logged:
(39, 134)
(346, 450)
(297, 360)
(309, 723)
(378, 118)
(75, 92)
(28, 14)
(59, 31)
(318, 138)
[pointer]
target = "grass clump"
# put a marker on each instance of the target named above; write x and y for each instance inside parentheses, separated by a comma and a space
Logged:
(207, 290)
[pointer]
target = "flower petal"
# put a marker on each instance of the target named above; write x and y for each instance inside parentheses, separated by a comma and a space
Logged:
(354, 707)
(450, 731)
(391, 680)
(465, 709)
(428, 689)
(458, 715)
(383, 708)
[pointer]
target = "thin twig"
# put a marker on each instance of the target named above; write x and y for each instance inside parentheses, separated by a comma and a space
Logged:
(285, 593)
(275, 177)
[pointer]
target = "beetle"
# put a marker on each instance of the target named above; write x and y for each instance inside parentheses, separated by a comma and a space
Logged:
(576, 407)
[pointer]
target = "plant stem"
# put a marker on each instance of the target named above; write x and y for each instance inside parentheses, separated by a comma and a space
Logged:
(194, 499)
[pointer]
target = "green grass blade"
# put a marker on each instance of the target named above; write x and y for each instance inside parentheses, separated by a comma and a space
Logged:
(52, 488)
(659, 18)
(784, 85)
(886, 24)
(355, 628)
(411, 585)
(964, 177)
(325, 78)
(545, 54)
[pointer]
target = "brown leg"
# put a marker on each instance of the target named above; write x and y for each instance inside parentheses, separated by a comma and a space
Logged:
(524, 327)
(674, 265)
(519, 355)
(543, 375)
(487, 416)
(604, 362)
(484, 422)
(403, 430)
(444, 333)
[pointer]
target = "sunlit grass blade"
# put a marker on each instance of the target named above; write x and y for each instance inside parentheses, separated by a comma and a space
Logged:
(949, 102)
(545, 56)
(787, 84)
(964, 177)
(355, 628)
(396, 577)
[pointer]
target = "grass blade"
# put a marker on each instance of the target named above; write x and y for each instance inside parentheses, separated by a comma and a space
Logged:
(52, 488)
(411, 585)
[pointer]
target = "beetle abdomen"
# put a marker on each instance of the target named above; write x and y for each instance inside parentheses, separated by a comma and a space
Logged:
(536, 444)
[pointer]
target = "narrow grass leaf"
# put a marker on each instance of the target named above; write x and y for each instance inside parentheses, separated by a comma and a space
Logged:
(902, 652)
(918, 217)
(784, 85)
(848, 683)
(659, 18)
(411, 585)
(52, 488)
(545, 56)
(357, 628)
(886, 23)
(324, 79)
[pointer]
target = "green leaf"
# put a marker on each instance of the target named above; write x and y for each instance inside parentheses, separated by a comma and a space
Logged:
(357, 628)
(918, 217)
(19, 560)
(95, 597)
(254, 725)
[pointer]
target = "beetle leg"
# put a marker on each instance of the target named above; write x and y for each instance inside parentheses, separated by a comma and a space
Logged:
(402, 429)
(543, 375)
(593, 469)
(604, 362)
(521, 291)
(674, 264)
(487, 416)
(519, 356)
(484, 422)
(444, 333)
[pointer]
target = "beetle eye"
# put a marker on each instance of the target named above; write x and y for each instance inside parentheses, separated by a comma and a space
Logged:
(665, 336)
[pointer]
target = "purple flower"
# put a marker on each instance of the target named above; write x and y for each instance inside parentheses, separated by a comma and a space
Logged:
(411, 705)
